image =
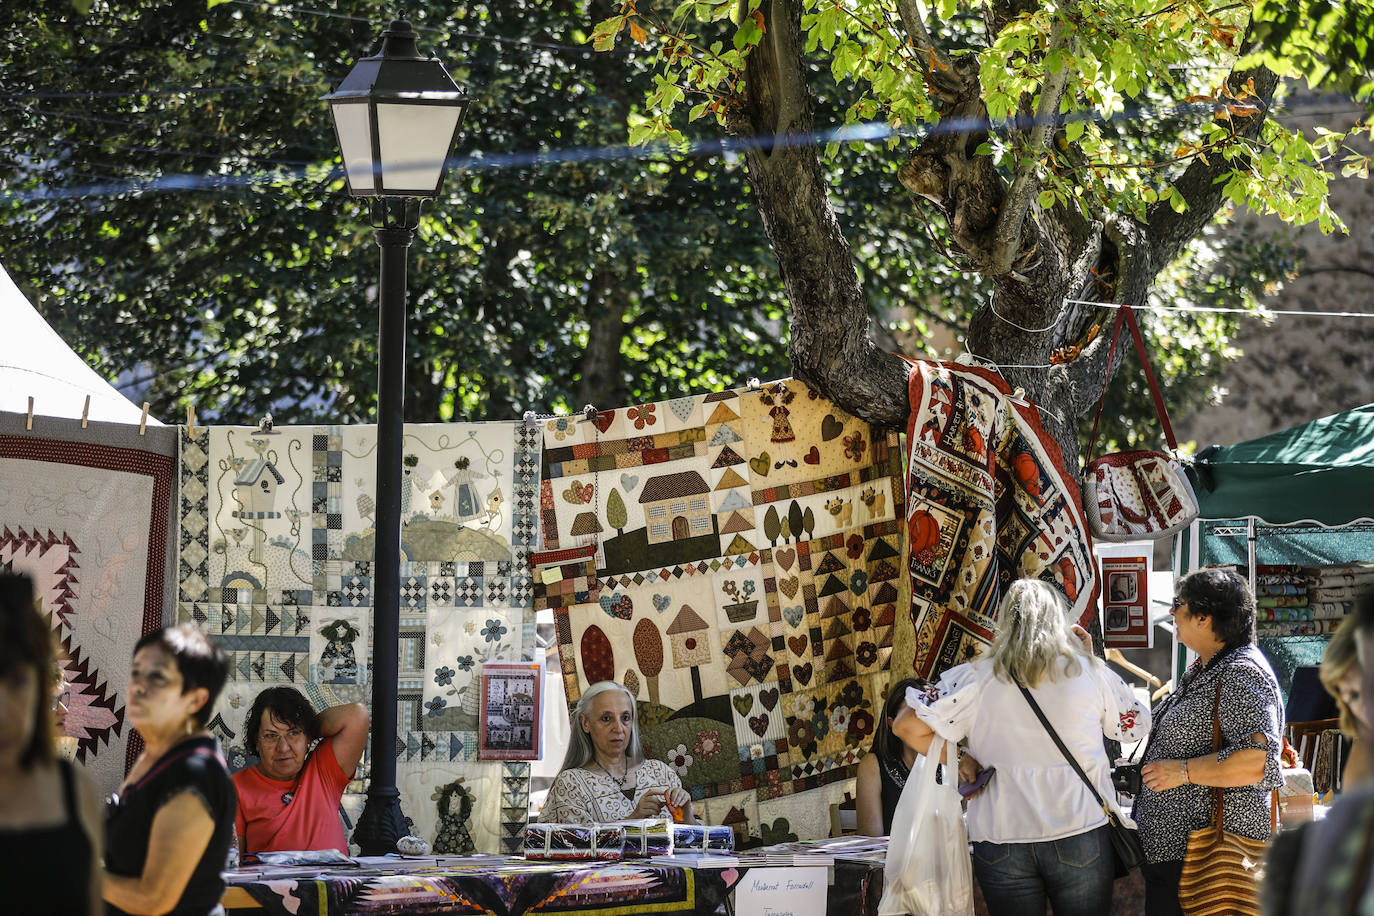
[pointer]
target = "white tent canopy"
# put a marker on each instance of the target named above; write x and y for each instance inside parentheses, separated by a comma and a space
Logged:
(35, 362)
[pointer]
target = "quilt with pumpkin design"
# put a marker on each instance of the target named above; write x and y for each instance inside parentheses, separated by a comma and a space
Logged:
(276, 553)
(989, 501)
(736, 560)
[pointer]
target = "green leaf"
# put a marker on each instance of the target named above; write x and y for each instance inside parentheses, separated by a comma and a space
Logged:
(1046, 199)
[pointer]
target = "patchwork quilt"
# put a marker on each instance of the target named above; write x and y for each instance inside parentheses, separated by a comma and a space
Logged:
(86, 513)
(989, 501)
(276, 552)
(736, 560)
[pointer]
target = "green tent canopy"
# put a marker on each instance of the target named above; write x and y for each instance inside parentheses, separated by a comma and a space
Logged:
(1322, 471)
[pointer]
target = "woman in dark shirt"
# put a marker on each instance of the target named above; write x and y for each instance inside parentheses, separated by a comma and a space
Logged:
(169, 830)
(49, 815)
(883, 770)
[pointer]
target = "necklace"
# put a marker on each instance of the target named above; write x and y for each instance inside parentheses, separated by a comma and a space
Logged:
(618, 780)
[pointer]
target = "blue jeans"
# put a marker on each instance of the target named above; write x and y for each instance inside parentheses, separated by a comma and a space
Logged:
(1074, 874)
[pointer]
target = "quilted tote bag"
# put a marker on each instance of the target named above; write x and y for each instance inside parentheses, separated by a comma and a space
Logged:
(1137, 494)
(1222, 870)
(928, 871)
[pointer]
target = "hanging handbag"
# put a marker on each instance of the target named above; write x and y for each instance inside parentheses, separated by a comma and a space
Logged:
(1136, 494)
(1222, 870)
(1126, 849)
(928, 871)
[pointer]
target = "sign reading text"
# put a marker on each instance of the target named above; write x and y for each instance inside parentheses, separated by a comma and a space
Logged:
(782, 892)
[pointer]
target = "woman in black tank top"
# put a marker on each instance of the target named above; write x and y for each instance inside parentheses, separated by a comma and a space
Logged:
(883, 771)
(49, 816)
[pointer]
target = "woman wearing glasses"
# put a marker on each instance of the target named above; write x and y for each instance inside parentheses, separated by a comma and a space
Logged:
(168, 833)
(1214, 615)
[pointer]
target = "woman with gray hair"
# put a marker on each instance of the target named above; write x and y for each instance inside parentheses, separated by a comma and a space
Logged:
(1038, 831)
(605, 775)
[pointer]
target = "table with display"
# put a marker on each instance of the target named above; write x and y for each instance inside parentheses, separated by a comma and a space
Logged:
(512, 886)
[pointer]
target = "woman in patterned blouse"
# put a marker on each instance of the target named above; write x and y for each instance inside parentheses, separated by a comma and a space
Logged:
(605, 776)
(1214, 614)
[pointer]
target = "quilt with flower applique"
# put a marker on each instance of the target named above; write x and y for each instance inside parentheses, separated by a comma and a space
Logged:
(989, 500)
(736, 560)
(276, 552)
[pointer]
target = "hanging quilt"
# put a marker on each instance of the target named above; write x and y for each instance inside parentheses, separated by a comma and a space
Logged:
(86, 513)
(735, 559)
(277, 532)
(989, 501)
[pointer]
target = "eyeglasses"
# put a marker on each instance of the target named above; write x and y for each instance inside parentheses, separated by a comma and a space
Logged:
(1175, 605)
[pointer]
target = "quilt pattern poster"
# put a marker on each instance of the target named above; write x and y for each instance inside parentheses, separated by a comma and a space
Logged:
(990, 501)
(276, 553)
(86, 513)
(735, 559)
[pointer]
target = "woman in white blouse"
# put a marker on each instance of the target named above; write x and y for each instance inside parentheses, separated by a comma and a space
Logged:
(1037, 832)
(605, 775)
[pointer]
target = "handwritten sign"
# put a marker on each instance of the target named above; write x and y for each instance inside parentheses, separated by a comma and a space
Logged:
(781, 892)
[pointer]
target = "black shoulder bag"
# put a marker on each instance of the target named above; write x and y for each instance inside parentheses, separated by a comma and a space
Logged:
(1125, 843)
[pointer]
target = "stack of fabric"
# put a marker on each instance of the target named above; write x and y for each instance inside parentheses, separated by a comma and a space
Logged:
(1281, 602)
(1333, 590)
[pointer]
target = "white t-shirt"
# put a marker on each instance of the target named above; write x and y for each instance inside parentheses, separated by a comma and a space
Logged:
(1035, 795)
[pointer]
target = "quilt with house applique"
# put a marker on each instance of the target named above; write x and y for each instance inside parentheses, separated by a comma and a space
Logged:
(735, 559)
(989, 501)
(86, 513)
(277, 532)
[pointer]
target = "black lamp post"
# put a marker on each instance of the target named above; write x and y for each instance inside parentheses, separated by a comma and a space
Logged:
(395, 116)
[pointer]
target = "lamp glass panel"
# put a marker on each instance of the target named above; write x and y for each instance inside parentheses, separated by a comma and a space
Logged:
(355, 138)
(415, 141)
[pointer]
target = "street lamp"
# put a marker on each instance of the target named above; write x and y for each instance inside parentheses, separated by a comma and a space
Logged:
(395, 116)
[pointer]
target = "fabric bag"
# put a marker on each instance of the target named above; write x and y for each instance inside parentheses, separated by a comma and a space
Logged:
(1126, 849)
(1136, 494)
(928, 870)
(1222, 870)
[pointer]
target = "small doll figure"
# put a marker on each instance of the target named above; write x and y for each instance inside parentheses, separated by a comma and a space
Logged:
(777, 398)
(338, 661)
(453, 837)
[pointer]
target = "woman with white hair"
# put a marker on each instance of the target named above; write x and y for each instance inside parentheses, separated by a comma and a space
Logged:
(605, 775)
(1037, 831)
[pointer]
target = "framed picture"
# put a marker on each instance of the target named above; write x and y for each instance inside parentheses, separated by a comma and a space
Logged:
(1126, 602)
(510, 713)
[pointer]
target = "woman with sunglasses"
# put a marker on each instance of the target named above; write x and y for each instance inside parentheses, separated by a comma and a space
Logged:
(168, 832)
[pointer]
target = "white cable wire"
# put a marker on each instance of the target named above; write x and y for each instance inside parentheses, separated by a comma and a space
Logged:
(1199, 308)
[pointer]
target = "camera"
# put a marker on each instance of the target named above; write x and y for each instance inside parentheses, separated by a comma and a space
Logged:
(1126, 778)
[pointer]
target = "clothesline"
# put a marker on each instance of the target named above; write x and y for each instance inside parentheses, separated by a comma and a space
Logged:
(1207, 309)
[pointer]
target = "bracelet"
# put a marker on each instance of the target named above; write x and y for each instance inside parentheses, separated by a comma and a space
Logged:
(1184, 763)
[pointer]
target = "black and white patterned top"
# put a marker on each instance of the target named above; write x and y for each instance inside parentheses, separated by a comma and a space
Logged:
(1250, 703)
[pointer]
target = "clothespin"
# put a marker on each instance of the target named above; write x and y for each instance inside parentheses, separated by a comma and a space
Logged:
(85, 409)
(531, 419)
(190, 421)
(590, 413)
(143, 420)
(754, 384)
(29, 424)
(265, 424)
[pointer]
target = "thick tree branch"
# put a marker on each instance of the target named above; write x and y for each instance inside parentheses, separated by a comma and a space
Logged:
(934, 61)
(1006, 246)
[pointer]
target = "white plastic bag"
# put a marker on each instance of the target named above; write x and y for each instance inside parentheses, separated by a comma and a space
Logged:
(928, 870)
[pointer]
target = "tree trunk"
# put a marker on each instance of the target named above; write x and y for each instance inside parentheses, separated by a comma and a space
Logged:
(602, 374)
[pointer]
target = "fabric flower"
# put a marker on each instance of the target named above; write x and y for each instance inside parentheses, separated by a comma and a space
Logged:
(861, 620)
(860, 724)
(800, 733)
(854, 446)
(493, 631)
(851, 694)
(839, 718)
(866, 653)
(444, 676)
(854, 547)
(465, 662)
(680, 760)
(708, 744)
(803, 706)
(821, 724)
(642, 415)
(858, 582)
(756, 752)
(561, 427)
(436, 706)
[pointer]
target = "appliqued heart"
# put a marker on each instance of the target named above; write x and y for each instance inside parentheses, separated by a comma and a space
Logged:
(579, 494)
(761, 465)
(830, 427)
(682, 407)
(813, 456)
(802, 673)
(759, 724)
(789, 586)
(629, 482)
(793, 614)
(743, 702)
(783, 558)
(798, 644)
(604, 419)
(619, 607)
(769, 697)
(662, 602)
